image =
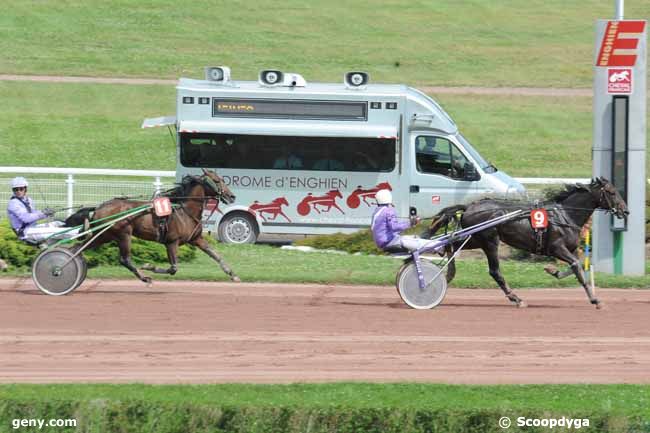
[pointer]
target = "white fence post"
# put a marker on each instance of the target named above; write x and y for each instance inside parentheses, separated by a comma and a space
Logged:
(157, 185)
(70, 182)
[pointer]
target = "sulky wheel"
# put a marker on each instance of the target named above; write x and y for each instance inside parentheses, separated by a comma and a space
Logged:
(409, 287)
(56, 272)
(81, 261)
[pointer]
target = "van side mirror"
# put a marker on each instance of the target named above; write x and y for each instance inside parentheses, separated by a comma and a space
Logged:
(470, 173)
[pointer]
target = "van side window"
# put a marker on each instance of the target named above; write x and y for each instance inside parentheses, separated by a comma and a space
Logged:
(437, 155)
(288, 153)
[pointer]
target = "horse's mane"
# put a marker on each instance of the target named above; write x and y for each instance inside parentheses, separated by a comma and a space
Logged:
(568, 191)
(182, 189)
(556, 196)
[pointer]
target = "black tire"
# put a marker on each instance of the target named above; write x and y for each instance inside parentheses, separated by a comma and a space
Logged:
(238, 228)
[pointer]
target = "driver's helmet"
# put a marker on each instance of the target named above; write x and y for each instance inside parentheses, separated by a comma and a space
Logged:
(18, 182)
(384, 196)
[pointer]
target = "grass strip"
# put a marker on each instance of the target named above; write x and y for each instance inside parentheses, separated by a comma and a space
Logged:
(335, 407)
(264, 263)
(449, 42)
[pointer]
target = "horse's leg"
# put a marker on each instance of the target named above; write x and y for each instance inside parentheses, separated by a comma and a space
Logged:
(491, 250)
(205, 247)
(124, 243)
(451, 266)
(567, 256)
(552, 270)
(173, 261)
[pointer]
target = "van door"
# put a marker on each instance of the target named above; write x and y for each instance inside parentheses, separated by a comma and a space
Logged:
(438, 176)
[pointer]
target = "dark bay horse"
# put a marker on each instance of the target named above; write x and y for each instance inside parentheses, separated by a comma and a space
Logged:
(182, 227)
(567, 211)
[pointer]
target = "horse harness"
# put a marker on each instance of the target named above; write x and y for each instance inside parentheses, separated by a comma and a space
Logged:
(541, 235)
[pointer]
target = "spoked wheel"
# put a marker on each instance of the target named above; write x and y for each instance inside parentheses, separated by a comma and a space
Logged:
(84, 269)
(409, 290)
(56, 272)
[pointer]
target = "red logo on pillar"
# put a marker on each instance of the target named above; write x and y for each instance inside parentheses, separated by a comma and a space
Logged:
(619, 80)
(620, 42)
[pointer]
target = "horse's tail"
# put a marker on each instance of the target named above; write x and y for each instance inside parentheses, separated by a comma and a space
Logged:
(78, 218)
(442, 219)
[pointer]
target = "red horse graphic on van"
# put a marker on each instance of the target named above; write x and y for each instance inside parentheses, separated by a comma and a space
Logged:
(273, 209)
(322, 203)
(354, 200)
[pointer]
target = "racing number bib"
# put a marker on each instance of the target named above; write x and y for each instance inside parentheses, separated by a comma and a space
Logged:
(162, 206)
(539, 218)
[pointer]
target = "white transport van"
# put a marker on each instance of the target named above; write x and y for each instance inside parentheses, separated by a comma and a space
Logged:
(308, 158)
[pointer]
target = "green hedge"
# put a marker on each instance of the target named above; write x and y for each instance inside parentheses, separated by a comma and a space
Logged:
(134, 416)
(19, 254)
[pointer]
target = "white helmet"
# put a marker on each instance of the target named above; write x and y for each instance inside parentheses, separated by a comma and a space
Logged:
(384, 196)
(19, 181)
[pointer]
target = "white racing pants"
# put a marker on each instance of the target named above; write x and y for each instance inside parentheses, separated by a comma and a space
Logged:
(38, 233)
(411, 243)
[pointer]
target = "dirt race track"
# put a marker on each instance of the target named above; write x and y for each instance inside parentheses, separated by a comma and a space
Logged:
(202, 332)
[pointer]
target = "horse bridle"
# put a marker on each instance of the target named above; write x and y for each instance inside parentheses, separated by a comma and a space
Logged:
(218, 189)
(604, 195)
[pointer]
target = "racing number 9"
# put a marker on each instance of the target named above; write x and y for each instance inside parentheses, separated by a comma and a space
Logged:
(539, 218)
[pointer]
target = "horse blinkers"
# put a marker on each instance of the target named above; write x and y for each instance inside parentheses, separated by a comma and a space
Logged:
(610, 200)
(220, 190)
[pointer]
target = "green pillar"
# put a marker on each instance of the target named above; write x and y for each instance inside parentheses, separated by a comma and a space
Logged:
(618, 253)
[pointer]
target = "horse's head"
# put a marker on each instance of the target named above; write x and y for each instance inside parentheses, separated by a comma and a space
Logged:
(335, 193)
(215, 186)
(608, 197)
(384, 185)
(281, 201)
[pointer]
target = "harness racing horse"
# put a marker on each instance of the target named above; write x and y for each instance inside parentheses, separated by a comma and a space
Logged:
(568, 211)
(183, 226)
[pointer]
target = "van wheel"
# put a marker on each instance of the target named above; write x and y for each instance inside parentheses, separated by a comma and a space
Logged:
(238, 228)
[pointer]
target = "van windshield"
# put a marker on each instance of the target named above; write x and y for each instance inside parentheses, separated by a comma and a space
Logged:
(486, 166)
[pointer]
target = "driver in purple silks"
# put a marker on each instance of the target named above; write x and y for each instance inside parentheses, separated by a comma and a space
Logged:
(386, 227)
(23, 216)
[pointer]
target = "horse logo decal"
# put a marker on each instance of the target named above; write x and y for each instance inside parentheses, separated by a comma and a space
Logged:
(622, 76)
(273, 209)
(354, 200)
(320, 204)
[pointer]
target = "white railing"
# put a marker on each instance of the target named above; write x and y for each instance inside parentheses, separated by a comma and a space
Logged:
(551, 180)
(76, 189)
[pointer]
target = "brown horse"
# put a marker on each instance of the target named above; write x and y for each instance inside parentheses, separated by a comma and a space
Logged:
(183, 226)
